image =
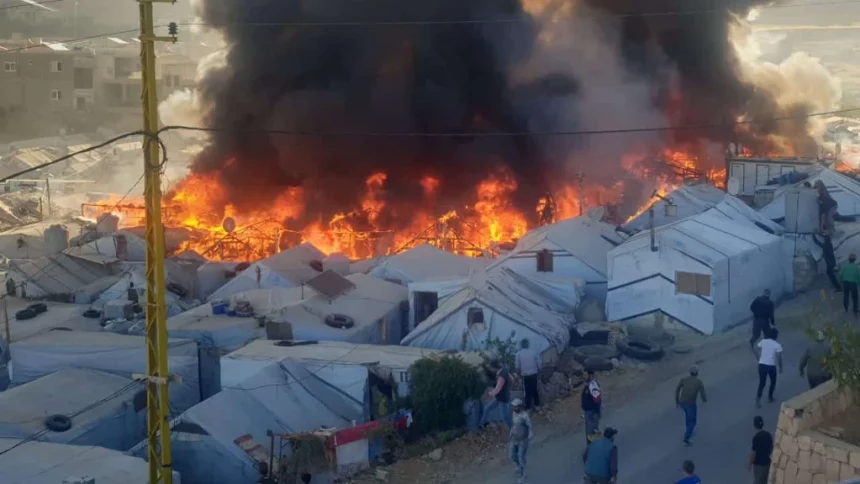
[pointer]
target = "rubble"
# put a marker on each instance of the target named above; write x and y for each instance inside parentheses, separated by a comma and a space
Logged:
(435, 455)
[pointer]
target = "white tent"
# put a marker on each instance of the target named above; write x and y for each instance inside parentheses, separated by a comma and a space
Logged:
(105, 248)
(704, 272)
(575, 248)
(137, 276)
(688, 200)
(486, 309)
(102, 408)
(373, 306)
(844, 190)
(422, 263)
(284, 397)
(118, 354)
(289, 268)
(47, 463)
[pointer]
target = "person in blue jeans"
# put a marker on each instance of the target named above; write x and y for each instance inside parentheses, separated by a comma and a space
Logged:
(501, 397)
(686, 396)
(690, 476)
(520, 435)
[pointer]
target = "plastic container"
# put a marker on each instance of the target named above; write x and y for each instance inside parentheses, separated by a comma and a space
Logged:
(219, 308)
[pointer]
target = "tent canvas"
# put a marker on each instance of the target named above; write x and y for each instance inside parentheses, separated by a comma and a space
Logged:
(843, 189)
(688, 200)
(119, 290)
(704, 273)
(101, 407)
(290, 268)
(425, 262)
(285, 397)
(578, 248)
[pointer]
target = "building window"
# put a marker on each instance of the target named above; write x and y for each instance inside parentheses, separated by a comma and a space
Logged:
(692, 283)
(56, 95)
(544, 261)
(56, 66)
(172, 81)
(476, 316)
(10, 66)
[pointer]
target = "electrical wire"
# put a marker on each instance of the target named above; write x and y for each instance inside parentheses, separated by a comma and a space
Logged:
(36, 4)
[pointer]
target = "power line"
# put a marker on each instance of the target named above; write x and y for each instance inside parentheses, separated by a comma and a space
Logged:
(395, 134)
(34, 4)
(75, 40)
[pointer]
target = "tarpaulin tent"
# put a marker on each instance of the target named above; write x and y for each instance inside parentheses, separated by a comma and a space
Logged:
(424, 262)
(118, 354)
(704, 272)
(688, 200)
(574, 248)
(843, 189)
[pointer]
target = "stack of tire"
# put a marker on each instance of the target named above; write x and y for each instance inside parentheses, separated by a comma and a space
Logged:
(598, 356)
(31, 311)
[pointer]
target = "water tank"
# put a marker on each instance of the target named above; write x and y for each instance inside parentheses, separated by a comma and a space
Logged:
(801, 211)
(338, 263)
(107, 223)
(56, 239)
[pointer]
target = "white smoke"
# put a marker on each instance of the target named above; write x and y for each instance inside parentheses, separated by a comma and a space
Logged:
(185, 107)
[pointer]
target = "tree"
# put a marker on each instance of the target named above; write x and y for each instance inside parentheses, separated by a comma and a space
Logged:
(844, 361)
(438, 388)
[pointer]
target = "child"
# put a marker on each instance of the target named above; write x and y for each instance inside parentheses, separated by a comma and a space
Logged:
(521, 434)
(690, 476)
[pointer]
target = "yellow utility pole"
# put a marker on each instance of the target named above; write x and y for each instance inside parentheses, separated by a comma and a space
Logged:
(157, 376)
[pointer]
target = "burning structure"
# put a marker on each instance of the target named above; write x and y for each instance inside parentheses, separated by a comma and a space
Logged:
(364, 129)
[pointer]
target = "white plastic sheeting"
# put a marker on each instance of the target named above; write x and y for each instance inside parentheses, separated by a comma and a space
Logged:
(844, 190)
(508, 311)
(740, 258)
(689, 200)
(99, 404)
(289, 268)
(283, 397)
(119, 290)
(578, 247)
(109, 352)
(48, 463)
(423, 263)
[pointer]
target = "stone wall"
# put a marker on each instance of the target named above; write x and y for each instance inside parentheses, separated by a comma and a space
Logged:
(803, 455)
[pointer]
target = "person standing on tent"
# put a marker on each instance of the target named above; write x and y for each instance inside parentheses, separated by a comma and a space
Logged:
(686, 396)
(769, 360)
(763, 315)
(849, 274)
(528, 366)
(813, 361)
(829, 257)
(501, 396)
(592, 401)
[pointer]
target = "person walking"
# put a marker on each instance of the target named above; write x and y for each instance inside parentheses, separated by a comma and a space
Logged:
(829, 257)
(521, 434)
(769, 356)
(690, 476)
(501, 396)
(813, 361)
(762, 447)
(686, 395)
(601, 459)
(528, 366)
(763, 315)
(592, 400)
(849, 274)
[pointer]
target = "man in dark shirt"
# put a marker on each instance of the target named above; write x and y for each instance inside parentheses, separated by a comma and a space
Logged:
(601, 459)
(762, 309)
(762, 446)
(829, 257)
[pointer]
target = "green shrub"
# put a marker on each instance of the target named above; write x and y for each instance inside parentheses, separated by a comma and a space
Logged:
(844, 361)
(438, 388)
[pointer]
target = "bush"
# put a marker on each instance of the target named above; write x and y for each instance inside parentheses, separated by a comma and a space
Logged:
(844, 361)
(438, 388)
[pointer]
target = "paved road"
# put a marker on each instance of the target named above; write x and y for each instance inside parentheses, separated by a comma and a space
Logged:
(651, 428)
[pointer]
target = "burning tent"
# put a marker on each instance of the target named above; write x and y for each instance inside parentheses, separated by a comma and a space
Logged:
(686, 201)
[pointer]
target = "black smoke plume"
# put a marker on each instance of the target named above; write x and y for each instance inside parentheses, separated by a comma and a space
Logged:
(440, 78)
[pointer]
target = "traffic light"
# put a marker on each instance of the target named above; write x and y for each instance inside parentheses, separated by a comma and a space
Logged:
(172, 29)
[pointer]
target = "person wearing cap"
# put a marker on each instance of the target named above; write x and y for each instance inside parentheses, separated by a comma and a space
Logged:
(686, 396)
(813, 361)
(521, 433)
(849, 274)
(763, 315)
(601, 459)
(592, 400)
(762, 447)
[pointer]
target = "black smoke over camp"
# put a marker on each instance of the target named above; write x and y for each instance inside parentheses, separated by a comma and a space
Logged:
(424, 77)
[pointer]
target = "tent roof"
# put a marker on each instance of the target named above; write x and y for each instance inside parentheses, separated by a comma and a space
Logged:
(103, 249)
(690, 200)
(65, 392)
(294, 264)
(263, 301)
(424, 262)
(506, 296)
(59, 273)
(369, 301)
(48, 463)
(844, 190)
(95, 340)
(582, 237)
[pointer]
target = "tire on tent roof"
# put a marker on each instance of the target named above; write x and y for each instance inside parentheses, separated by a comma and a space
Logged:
(92, 313)
(582, 353)
(39, 308)
(339, 321)
(597, 363)
(640, 349)
(58, 423)
(25, 314)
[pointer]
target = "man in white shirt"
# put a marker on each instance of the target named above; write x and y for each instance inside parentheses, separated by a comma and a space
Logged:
(528, 366)
(769, 353)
